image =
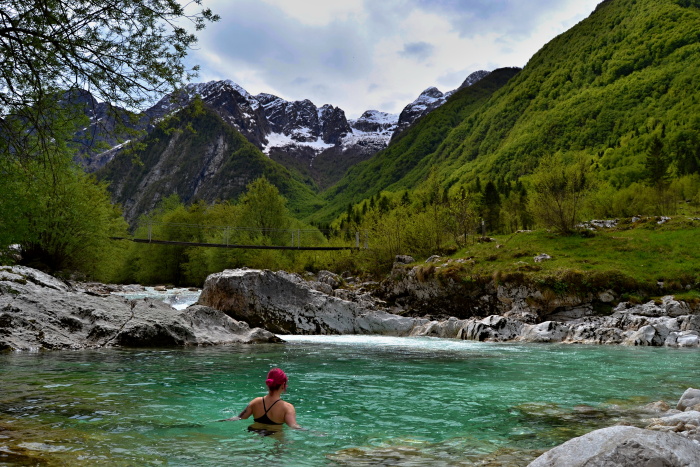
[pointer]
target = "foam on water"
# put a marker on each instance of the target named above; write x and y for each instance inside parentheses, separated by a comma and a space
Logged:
(429, 344)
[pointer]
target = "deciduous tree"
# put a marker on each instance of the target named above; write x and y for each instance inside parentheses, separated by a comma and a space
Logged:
(559, 191)
(123, 52)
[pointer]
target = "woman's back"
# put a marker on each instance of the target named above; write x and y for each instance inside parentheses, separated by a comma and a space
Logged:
(270, 410)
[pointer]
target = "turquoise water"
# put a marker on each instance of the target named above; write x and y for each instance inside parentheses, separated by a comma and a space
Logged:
(365, 401)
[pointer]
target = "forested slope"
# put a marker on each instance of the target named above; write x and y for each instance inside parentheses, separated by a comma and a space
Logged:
(195, 155)
(604, 90)
(404, 164)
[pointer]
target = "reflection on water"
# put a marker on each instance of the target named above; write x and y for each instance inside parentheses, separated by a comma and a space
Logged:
(365, 400)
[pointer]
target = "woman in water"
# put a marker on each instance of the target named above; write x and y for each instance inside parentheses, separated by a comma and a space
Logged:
(271, 411)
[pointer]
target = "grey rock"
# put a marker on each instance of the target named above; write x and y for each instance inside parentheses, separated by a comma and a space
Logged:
(321, 287)
(690, 398)
(658, 406)
(683, 422)
(607, 296)
(329, 278)
(433, 259)
(669, 306)
(645, 336)
(404, 259)
(572, 313)
(622, 446)
(683, 339)
(493, 328)
(23, 274)
(542, 257)
(40, 312)
(549, 331)
(284, 303)
(449, 328)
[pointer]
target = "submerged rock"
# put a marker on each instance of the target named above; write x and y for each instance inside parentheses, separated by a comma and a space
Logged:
(38, 311)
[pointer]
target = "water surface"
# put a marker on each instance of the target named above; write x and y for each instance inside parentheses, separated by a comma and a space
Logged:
(365, 400)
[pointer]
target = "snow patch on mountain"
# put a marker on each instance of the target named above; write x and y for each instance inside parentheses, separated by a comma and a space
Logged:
(280, 140)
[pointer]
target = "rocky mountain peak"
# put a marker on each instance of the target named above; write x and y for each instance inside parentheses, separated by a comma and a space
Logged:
(233, 103)
(334, 124)
(374, 121)
(298, 133)
(474, 78)
(431, 99)
(430, 93)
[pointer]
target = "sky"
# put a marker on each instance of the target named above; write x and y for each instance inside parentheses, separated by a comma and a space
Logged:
(372, 54)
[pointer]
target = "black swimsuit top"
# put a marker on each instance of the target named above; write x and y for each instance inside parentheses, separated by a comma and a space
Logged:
(264, 418)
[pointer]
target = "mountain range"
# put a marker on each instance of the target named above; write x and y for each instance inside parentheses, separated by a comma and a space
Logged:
(317, 144)
(627, 75)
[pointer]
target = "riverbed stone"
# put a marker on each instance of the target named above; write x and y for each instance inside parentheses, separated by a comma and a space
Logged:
(622, 446)
(644, 336)
(40, 312)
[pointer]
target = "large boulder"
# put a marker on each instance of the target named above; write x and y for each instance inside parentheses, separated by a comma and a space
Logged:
(38, 311)
(285, 303)
(622, 446)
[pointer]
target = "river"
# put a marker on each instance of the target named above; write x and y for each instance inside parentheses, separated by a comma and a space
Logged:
(366, 400)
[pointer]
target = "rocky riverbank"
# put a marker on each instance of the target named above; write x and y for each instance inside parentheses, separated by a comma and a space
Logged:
(286, 303)
(38, 311)
(246, 305)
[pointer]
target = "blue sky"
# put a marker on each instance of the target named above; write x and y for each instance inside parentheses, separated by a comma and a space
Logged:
(373, 54)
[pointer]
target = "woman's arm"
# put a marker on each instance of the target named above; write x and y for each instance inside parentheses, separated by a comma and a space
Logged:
(290, 418)
(247, 412)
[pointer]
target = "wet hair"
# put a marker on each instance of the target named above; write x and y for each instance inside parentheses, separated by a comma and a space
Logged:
(276, 379)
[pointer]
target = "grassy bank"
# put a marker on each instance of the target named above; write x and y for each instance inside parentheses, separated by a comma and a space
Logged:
(639, 260)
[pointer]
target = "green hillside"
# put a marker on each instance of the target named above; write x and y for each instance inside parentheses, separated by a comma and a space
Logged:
(404, 163)
(603, 90)
(197, 156)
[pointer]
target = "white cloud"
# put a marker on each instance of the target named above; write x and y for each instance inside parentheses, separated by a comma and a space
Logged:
(319, 12)
(373, 54)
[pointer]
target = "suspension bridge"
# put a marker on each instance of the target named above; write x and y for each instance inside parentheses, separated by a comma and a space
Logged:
(213, 236)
